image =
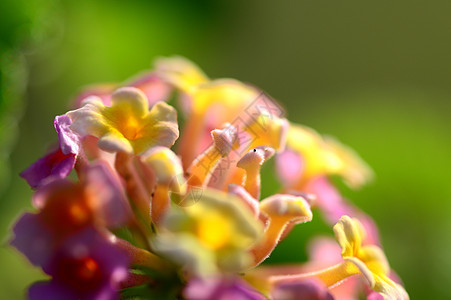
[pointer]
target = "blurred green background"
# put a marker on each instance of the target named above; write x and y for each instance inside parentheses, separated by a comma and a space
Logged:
(375, 74)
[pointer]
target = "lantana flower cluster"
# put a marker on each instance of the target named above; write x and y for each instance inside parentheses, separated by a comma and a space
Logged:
(138, 202)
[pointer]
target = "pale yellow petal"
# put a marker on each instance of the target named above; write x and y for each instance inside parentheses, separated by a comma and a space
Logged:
(349, 234)
(374, 257)
(268, 130)
(131, 101)
(343, 160)
(389, 289)
(180, 72)
(230, 95)
(88, 119)
(167, 167)
(185, 250)
(113, 142)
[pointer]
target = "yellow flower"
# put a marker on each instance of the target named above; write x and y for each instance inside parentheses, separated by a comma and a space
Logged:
(127, 125)
(167, 167)
(344, 161)
(205, 93)
(268, 130)
(207, 103)
(219, 229)
(168, 171)
(368, 261)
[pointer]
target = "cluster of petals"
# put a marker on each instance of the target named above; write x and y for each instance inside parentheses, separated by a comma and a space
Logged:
(152, 214)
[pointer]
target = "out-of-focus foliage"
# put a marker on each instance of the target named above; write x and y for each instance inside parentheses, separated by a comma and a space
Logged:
(375, 75)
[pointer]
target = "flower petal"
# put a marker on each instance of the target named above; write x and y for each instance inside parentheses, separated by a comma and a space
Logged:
(88, 119)
(102, 91)
(349, 234)
(185, 250)
(251, 162)
(301, 289)
(167, 167)
(110, 199)
(218, 224)
(220, 288)
(113, 142)
(126, 125)
(55, 165)
(343, 160)
(268, 130)
(50, 291)
(289, 166)
(247, 199)
(68, 140)
(106, 263)
(127, 101)
(33, 239)
(152, 86)
(160, 129)
(180, 72)
(202, 168)
(282, 211)
(389, 289)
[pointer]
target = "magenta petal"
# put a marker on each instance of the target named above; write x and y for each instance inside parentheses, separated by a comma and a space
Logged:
(52, 166)
(289, 166)
(109, 194)
(220, 288)
(50, 291)
(68, 140)
(305, 289)
(56, 164)
(112, 264)
(33, 239)
(90, 242)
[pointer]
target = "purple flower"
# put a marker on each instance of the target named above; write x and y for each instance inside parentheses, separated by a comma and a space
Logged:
(67, 208)
(308, 289)
(220, 289)
(58, 163)
(86, 266)
(33, 239)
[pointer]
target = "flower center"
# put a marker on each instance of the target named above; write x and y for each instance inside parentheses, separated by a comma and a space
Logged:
(214, 231)
(68, 212)
(83, 274)
(130, 128)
